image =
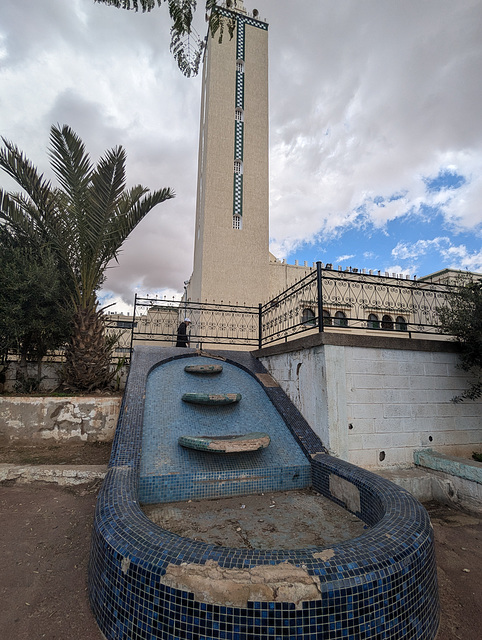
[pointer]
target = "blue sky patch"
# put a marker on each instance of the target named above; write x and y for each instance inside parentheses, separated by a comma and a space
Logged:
(424, 240)
(445, 180)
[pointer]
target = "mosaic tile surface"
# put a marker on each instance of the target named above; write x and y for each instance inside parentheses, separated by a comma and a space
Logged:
(169, 472)
(381, 585)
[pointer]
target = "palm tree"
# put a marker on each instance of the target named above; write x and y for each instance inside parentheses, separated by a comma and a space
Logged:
(85, 222)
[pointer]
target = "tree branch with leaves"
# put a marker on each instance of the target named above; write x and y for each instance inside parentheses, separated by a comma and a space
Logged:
(186, 45)
(461, 317)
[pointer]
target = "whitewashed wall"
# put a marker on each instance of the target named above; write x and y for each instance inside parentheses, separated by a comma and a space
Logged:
(58, 419)
(375, 406)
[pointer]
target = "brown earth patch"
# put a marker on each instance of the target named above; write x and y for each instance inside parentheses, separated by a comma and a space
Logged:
(458, 548)
(50, 453)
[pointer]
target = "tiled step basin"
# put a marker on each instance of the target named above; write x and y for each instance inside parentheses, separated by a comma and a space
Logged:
(148, 583)
(171, 472)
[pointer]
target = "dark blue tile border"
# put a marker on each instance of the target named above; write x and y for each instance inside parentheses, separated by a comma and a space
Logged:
(380, 585)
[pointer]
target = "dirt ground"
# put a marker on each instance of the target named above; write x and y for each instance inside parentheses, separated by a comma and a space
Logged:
(45, 542)
(45, 452)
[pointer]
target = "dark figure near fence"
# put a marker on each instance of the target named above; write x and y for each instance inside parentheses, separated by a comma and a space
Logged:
(182, 335)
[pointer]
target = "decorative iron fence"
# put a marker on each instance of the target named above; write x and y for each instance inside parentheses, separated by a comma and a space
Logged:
(224, 324)
(293, 311)
(324, 300)
(327, 299)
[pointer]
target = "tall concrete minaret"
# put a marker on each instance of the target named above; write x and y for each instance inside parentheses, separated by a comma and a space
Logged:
(231, 252)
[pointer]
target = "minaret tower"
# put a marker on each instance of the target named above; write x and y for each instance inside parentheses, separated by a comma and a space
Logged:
(231, 252)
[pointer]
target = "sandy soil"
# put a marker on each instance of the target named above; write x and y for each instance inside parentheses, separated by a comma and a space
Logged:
(265, 521)
(458, 548)
(44, 544)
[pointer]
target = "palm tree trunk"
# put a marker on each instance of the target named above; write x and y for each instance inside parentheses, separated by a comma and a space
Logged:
(88, 355)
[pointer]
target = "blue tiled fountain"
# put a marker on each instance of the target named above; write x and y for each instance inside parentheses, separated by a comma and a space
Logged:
(148, 583)
(169, 473)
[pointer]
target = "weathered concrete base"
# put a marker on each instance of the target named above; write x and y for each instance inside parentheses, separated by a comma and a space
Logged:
(374, 400)
(82, 418)
(212, 583)
(59, 474)
(461, 467)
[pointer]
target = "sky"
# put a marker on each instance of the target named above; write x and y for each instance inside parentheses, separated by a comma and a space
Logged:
(375, 127)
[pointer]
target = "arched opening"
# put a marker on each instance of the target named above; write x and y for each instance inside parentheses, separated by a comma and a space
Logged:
(373, 322)
(308, 317)
(387, 322)
(340, 319)
(400, 324)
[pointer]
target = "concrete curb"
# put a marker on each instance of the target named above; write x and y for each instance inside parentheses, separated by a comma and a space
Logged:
(427, 484)
(459, 467)
(60, 474)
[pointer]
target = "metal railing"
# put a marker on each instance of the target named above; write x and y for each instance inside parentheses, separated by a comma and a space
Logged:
(324, 300)
(331, 300)
(158, 321)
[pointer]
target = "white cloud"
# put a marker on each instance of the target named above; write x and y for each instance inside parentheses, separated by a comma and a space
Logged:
(450, 255)
(397, 98)
(343, 258)
(459, 257)
(398, 270)
(405, 251)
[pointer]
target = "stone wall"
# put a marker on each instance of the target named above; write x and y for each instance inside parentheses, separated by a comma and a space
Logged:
(82, 418)
(374, 401)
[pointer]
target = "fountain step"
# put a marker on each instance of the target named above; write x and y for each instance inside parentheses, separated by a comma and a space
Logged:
(203, 369)
(238, 443)
(213, 399)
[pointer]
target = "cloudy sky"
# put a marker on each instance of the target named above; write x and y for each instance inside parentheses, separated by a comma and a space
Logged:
(375, 126)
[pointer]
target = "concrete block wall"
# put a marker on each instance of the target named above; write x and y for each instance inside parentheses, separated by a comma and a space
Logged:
(373, 402)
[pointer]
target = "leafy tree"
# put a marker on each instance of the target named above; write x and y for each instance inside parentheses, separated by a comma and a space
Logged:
(84, 222)
(35, 310)
(186, 46)
(461, 317)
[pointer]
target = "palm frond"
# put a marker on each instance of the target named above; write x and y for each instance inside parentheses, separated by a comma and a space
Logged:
(70, 163)
(14, 162)
(21, 218)
(107, 186)
(132, 209)
(181, 12)
(187, 52)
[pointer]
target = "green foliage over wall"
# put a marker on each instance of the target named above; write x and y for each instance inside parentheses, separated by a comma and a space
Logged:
(462, 317)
